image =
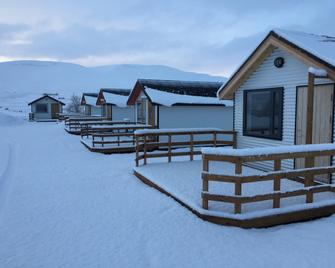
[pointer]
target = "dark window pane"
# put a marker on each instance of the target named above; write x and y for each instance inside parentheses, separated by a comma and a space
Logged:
(41, 108)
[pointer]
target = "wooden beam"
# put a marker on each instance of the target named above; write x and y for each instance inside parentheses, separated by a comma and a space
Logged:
(310, 109)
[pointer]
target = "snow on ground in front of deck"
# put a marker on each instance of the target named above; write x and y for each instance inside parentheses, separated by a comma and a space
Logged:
(63, 206)
(183, 180)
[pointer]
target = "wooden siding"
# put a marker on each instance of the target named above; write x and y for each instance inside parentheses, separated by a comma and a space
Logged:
(294, 73)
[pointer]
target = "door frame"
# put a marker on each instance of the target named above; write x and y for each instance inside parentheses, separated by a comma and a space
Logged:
(296, 114)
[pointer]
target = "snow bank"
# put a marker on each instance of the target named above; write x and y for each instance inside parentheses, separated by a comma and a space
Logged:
(317, 71)
(157, 131)
(4, 159)
(269, 150)
(10, 120)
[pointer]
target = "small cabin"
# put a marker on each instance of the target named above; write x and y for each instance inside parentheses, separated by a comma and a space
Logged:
(284, 93)
(113, 103)
(89, 104)
(47, 107)
(180, 104)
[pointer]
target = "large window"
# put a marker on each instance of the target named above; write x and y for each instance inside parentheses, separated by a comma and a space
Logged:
(263, 113)
(41, 108)
(141, 111)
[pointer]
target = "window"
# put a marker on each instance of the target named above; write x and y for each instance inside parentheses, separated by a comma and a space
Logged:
(41, 108)
(263, 113)
(141, 111)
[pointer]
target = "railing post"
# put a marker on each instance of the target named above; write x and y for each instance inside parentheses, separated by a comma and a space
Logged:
(145, 149)
(234, 140)
(169, 147)
(205, 168)
(137, 150)
(276, 184)
(238, 186)
(309, 179)
(214, 138)
(191, 147)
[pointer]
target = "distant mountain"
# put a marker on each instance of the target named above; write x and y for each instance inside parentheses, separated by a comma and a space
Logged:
(22, 78)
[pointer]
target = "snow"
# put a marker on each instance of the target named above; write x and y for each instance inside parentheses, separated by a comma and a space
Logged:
(183, 180)
(269, 150)
(178, 130)
(321, 46)
(90, 100)
(116, 99)
(317, 71)
(74, 208)
(169, 99)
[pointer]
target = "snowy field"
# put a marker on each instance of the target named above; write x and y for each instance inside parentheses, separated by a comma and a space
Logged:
(63, 206)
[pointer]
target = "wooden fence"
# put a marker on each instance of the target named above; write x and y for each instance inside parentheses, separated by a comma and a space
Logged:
(73, 124)
(118, 134)
(305, 175)
(168, 140)
(95, 127)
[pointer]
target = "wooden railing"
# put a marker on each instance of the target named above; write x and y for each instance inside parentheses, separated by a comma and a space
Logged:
(118, 134)
(89, 128)
(239, 158)
(73, 124)
(165, 139)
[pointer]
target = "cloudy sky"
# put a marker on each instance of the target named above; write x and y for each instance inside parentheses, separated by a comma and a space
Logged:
(210, 36)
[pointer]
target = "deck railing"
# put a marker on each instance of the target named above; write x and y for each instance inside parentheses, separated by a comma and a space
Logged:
(73, 124)
(240, 157)
(118, 134)
(89, 128)
(170, 139)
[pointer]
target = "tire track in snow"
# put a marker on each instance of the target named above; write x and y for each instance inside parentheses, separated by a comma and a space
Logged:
(7, 176)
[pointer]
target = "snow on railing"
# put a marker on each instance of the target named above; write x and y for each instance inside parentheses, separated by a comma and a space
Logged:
(317, 72)
(239, 157)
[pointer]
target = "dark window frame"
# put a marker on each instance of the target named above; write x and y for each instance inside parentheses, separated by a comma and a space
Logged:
(40, 111)
(271, 136)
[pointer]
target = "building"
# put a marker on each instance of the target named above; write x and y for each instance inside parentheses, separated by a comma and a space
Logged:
(46, 107)
(180, 104)
(88, 102)
(114, 104)
(284, 93)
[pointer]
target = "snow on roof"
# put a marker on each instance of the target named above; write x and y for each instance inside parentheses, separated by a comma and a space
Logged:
(116, 99)
(321, 46)
(91, 100)
(169, 99)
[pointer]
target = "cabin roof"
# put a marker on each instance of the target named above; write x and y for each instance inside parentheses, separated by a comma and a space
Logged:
(114, 96)
(175, 92)
(316, 50)
(46, 96)
(89, 99)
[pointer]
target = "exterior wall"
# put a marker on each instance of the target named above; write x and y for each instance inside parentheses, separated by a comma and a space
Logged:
(47, 115)
(294, 73)
(96, 110)
(119, 113)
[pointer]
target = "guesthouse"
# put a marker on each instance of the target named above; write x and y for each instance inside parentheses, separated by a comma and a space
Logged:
(89, 106)
(180, 104)
(46, 108)
(114, 104)
(284, 93)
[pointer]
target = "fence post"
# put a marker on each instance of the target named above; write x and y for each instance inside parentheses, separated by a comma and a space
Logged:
(214, 138)
(205, 168)
(276, 184)
(137, 150)
(309, 179)
(238, 186)
(145, 149)
(191, 147)
(234, 140)
(169, 147)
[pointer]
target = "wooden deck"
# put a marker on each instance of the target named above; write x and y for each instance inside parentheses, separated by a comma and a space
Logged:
(224, 189)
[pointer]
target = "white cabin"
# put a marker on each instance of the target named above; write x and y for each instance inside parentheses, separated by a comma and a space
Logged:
(46, 108)
(269, 91)
(180, 104)
(88, 103)
(114, 106)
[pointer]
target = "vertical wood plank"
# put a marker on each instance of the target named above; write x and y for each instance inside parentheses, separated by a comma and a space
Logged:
(137, 150)
(214, 138)
(191, 147)
(169, 147)
(238, 186)
(310, 109)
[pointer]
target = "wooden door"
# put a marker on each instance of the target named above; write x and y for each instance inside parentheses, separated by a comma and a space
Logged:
(151, 114)
(322, 121)
(54, 110)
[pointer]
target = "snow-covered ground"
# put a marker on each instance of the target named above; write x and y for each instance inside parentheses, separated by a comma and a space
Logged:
(63, 206)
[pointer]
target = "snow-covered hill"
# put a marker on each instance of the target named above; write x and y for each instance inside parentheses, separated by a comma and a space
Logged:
(22, 81)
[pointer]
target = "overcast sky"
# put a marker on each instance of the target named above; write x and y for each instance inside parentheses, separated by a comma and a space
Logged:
(211, 36)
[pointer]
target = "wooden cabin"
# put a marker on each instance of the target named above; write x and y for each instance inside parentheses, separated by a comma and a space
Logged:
(46, 107)
(180, 104)
(284, 93)
(113, 103)
(89, 106)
